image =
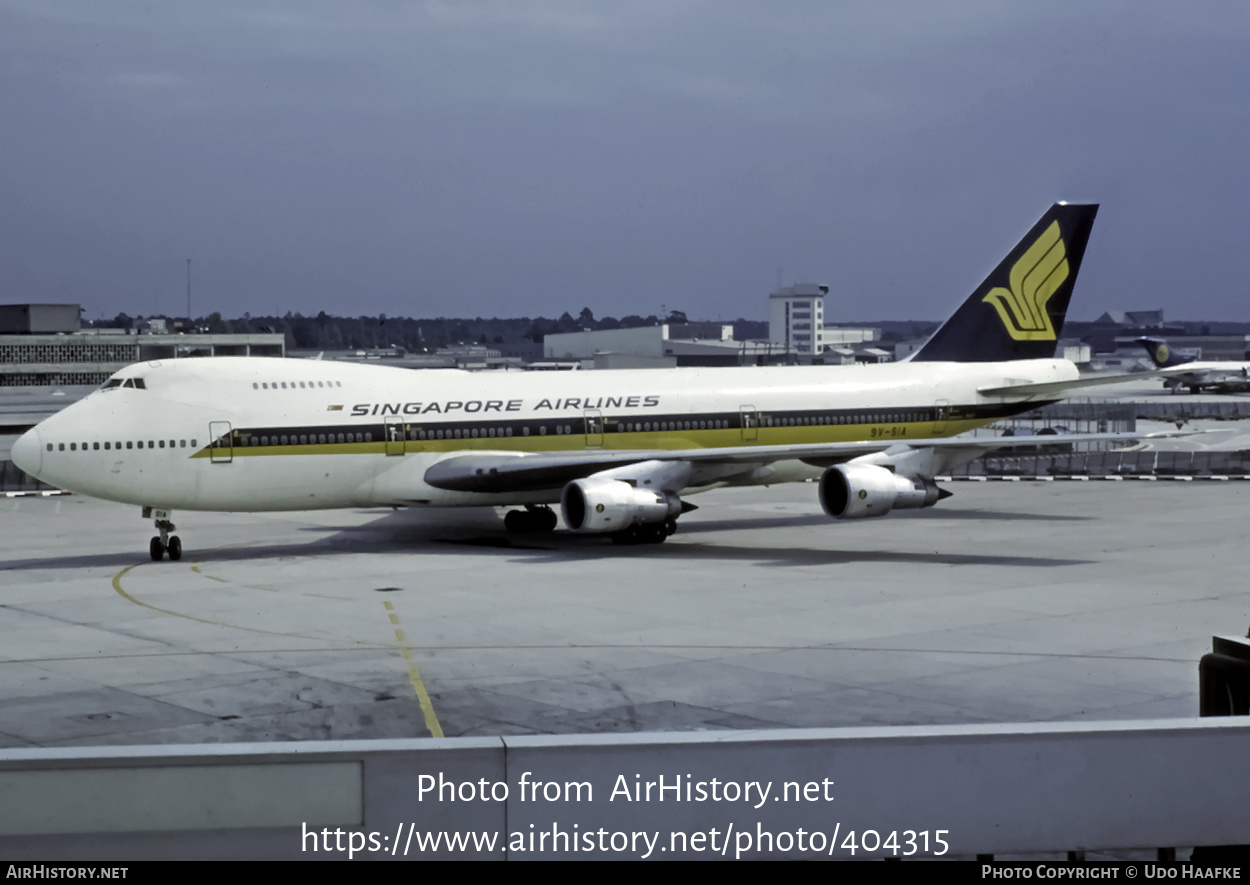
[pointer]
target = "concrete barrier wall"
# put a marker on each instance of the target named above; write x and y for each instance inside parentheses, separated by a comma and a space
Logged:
(918, 792)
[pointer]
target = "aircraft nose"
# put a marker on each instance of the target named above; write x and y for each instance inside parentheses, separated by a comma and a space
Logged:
(27, 452)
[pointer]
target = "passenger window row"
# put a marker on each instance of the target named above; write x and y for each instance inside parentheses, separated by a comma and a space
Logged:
(302, 439)
(845, 419)
(636, 427)
(297, 436)
(130, 444)
(469, 432)
(282, 385)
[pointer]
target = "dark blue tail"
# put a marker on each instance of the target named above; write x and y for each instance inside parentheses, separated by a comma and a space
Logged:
(1018, 312)
(1162, 356)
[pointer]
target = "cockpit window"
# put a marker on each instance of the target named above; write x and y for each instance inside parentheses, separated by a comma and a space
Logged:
(112, 382)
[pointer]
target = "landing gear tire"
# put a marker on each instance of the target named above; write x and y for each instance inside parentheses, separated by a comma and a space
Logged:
(647, 533)
(164, 542)
(546, 518)
(530, 520)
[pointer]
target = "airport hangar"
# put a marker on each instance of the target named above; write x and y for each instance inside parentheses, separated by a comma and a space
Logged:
(1048, 602)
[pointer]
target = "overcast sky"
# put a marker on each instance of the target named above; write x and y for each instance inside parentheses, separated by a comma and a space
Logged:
(526, 158)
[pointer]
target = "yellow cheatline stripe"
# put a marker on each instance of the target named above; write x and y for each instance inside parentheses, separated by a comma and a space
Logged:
(414, 678)
(669, 440)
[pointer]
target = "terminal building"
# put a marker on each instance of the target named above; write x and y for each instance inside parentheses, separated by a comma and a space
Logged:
(47, 361)
(44, 345)
(665, 345)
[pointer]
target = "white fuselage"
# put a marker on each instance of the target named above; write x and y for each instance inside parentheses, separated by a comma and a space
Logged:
(264, 434)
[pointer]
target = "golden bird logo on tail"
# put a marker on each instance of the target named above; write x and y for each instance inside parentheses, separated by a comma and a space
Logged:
(1034, 278)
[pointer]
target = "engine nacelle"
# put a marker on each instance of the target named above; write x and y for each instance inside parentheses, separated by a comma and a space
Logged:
(610, 505)
(862, 491)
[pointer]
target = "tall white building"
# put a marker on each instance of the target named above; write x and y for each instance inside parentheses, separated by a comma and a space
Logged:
(796, 317)
(796, 322)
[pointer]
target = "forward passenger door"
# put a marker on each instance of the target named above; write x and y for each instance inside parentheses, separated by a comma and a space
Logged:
(221, 444)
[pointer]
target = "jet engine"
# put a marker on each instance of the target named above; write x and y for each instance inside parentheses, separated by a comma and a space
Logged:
(596, 504)
(862, 491)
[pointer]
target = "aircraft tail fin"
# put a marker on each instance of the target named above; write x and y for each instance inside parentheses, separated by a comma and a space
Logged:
(1018, 312)
(1161, 355)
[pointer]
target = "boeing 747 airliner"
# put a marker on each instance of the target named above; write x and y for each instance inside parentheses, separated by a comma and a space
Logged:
(618, 450)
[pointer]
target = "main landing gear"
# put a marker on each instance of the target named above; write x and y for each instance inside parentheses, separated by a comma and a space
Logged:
(646, 533)
(534, 518)
(166, 543)
(537, 518)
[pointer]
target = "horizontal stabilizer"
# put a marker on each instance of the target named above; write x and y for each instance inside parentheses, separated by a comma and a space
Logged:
(1053, 388)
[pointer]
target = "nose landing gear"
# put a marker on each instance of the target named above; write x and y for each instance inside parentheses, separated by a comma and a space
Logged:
(166, 543)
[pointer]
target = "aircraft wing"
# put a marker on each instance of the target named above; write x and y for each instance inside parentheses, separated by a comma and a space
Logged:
(498, 472)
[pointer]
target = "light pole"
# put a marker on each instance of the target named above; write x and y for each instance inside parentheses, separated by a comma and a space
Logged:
(190, 321)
